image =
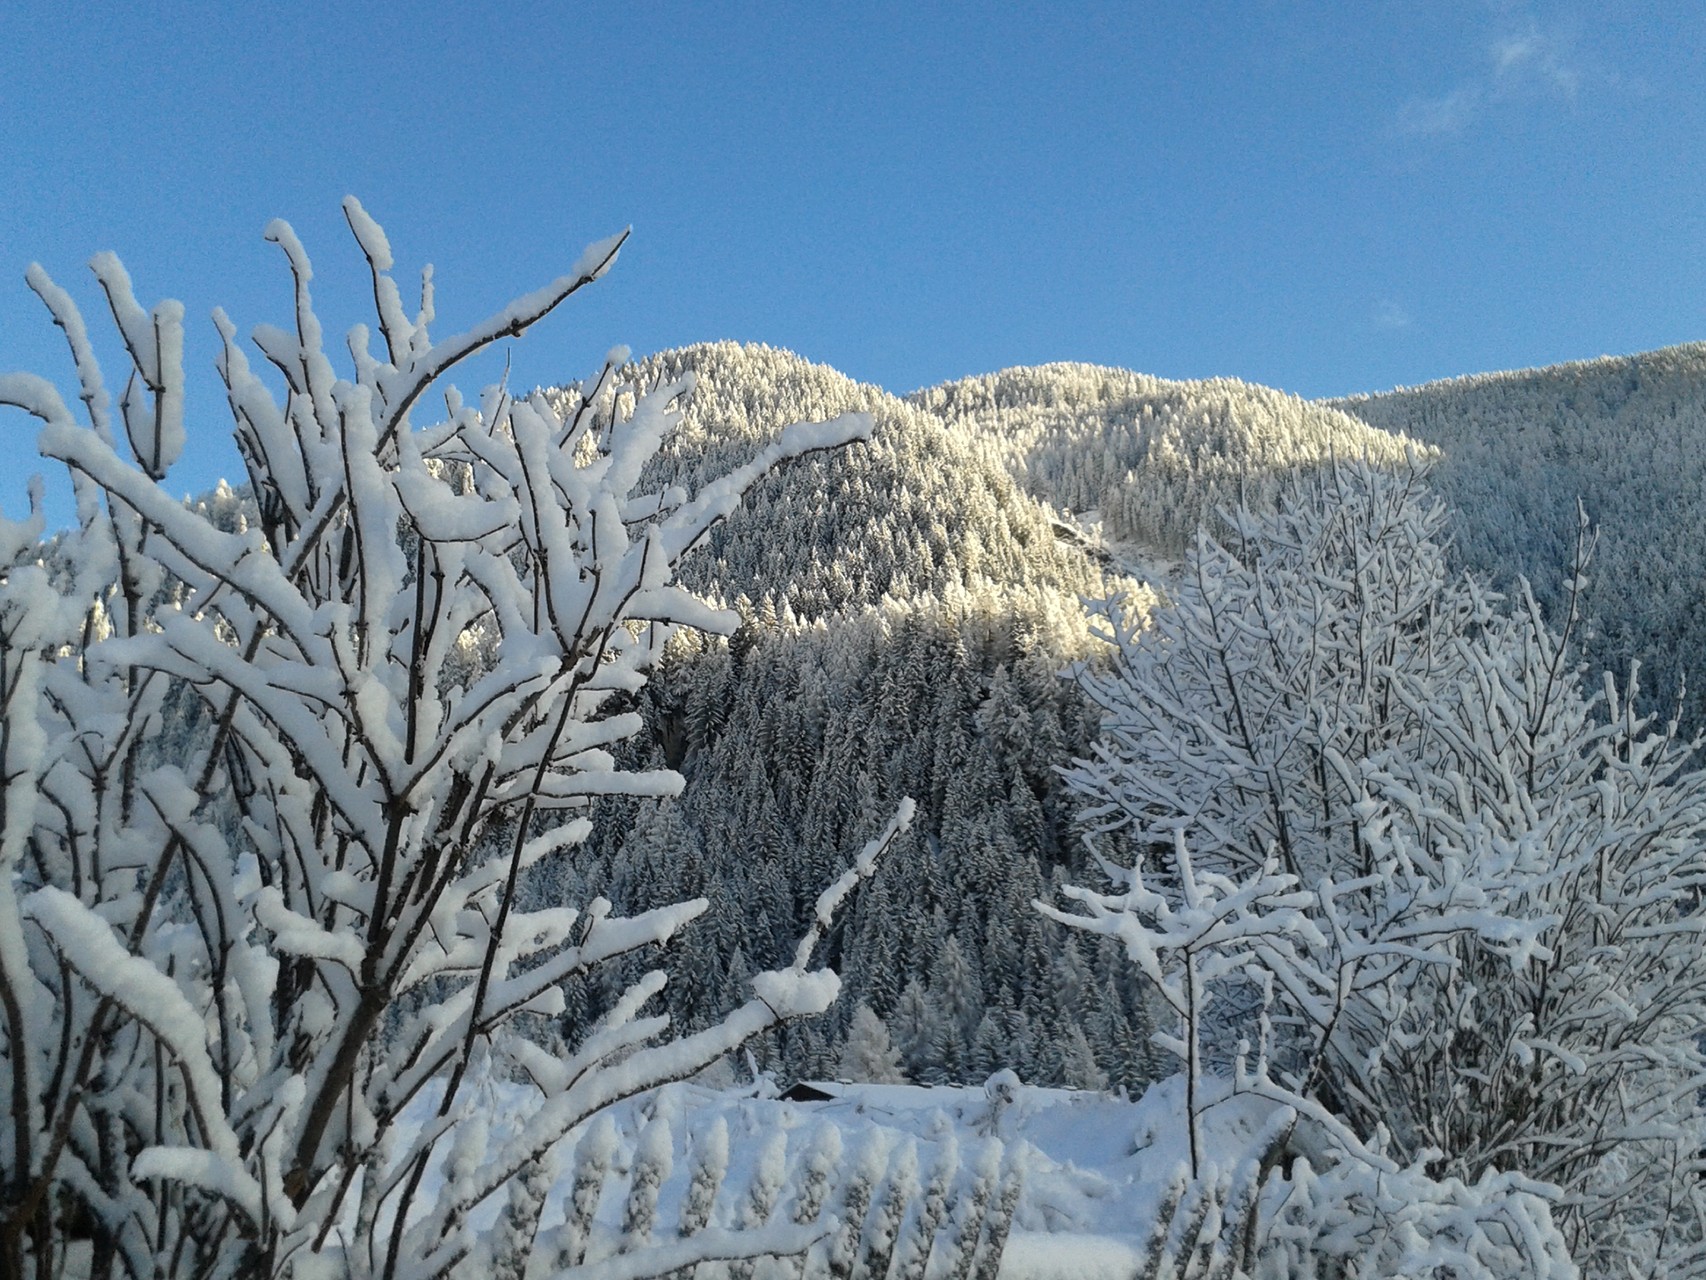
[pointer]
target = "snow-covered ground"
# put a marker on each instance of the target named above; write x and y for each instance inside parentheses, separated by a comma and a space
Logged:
(1094, 1165)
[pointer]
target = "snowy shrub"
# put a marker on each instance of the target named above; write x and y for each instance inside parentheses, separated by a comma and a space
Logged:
(1452, 895)
(1229, 1212)
(231, 957)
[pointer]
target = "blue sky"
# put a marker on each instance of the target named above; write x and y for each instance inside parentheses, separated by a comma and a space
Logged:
(1324, 197)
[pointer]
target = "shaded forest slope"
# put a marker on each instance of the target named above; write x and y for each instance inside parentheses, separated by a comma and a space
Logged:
(1624, 434)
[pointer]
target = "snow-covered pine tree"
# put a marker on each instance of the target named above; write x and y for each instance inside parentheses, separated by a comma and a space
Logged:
(911, 1026)
(229, 961)
(868, 1055)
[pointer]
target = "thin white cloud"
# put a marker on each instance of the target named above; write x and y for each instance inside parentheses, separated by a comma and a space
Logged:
(1390, 315)
(1449, 113)
(1535, 60)
(1523, 62)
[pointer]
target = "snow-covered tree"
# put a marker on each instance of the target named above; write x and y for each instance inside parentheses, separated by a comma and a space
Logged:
(868, 1055)
(270, 789)
(1487, 944)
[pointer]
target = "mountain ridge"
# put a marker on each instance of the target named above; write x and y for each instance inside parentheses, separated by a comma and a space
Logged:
(1512, 451)
(1609, 361)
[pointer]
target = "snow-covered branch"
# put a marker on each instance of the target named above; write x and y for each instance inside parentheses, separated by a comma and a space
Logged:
(272, 784)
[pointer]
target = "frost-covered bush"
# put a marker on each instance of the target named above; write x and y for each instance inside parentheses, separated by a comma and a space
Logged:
(230, 959)
(1306, 1195)
(1378, 806)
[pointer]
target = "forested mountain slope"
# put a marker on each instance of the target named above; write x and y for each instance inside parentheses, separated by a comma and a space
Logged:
(1513, 453)
(922, 511)
(909, 609)
(1624, 434)
(1152, 455)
